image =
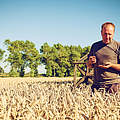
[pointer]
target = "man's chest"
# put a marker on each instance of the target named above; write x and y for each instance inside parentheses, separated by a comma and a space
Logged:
(106, 54)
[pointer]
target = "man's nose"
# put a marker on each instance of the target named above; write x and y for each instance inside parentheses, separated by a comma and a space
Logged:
(107, 36)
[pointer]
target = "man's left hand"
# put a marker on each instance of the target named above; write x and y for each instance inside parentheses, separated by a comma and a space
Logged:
(106, 66)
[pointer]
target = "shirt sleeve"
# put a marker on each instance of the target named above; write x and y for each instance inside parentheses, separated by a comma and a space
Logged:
(118, 52)
(91, 53)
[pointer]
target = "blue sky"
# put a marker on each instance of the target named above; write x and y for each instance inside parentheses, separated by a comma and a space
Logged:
(69, 22)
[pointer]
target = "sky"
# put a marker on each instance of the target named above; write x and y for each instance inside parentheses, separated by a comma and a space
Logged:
(69, 22)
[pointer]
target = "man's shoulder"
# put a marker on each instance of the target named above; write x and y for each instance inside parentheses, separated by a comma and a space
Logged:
(116, 42)
(98, 43)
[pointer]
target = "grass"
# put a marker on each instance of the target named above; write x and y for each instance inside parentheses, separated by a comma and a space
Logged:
(27, 99)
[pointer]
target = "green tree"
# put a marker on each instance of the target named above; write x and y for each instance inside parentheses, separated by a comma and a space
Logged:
(1, 57)
(46, 58)
(1, 54)
(85, 50)
(21, 55)
(59, 59)
(75, 55)
(62, 59)
(54, 59)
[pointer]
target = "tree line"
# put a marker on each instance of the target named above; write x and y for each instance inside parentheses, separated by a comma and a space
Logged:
(58, 59)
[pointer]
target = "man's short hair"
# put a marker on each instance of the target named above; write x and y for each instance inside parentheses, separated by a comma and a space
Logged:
(106, 24)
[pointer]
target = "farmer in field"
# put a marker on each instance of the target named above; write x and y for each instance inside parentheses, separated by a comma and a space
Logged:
(104, 58)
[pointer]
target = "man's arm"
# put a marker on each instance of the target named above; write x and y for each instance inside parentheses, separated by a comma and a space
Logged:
(109, 64)
(91, 57)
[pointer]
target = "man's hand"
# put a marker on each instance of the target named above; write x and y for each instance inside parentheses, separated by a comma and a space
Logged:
(92, 60)
(106, 66)
(109, 64)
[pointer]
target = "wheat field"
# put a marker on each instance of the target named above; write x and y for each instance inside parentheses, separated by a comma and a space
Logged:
(46, 99)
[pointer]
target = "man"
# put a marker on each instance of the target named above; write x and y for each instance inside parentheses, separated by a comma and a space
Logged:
(104, 58)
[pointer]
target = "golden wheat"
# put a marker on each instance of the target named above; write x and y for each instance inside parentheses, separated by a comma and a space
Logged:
(35, 100)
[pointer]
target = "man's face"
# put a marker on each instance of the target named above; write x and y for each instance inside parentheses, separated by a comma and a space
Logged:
(107, 34)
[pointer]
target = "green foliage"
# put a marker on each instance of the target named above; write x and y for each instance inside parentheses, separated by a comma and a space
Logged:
(21, 55)
(13, 73)
(85, 50)
(1, 57)
(1, 54)
(59, 59)
(1, 70)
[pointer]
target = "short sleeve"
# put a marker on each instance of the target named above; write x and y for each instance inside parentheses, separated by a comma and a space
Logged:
(91, 53)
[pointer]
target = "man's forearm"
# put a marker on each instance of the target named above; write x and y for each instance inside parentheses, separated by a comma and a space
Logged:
(110, 65)
(115, 66)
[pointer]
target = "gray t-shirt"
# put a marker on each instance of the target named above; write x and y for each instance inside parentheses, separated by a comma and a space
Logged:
(105, 53)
